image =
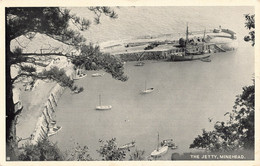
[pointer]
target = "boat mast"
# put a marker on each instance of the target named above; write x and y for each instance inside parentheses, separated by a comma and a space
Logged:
(158, 143)
(204, 34)
(187, 34)
(145, 85)
(187, 39)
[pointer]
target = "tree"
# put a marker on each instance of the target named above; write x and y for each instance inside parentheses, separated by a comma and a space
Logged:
(250, 25)
(235, 134)
(92, 59)
(109, 150)
(43, 151)
(54, 23)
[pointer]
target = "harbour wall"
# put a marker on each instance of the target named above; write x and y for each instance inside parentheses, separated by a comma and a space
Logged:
(47, 117)
(165, 55)
(145, 56)
(43, 125)
(38, 118)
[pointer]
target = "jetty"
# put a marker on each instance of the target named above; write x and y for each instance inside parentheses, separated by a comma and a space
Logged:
(198, 42)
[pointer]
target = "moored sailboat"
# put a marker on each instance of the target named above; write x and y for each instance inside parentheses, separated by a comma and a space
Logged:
(147, 90)
(102, 107)
(160, 151)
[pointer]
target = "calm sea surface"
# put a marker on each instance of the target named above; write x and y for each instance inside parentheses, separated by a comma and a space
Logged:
(186, 94)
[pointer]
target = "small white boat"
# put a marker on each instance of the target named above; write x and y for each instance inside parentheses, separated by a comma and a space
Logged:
(54, 130)
(98, 74)
(53, 122)
(205, 60)
(147, 90)
(80, 76)
(76, 91)
(174, 147)
(170, 143)
(127, 146)
(160, 151)
(103, 107)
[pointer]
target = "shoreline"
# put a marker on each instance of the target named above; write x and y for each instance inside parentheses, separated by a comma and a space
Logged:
(40, 110)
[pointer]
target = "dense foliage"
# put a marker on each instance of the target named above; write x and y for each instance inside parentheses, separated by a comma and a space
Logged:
(250, 25)
(110, 151)
(43, 151)
(91, 58)
(58, 75)
(235, 134)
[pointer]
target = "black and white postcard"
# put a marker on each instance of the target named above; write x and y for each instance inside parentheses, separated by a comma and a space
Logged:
(151, 82)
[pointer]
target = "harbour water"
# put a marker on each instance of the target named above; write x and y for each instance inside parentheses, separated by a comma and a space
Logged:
(186, 95)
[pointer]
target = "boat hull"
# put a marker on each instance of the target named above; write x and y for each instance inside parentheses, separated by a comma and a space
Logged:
(80, 76)
(157, 153)
(55, 131)
(168, 142)
(127, 146)
(150, 90)
(97, 75)
(205, 60)
(190, 57)
(107, 107)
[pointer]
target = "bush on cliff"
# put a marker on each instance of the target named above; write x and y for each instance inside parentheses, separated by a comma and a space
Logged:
(78, 153)
(109, 150)
(235, 134)
(42, 151)
(250, 25)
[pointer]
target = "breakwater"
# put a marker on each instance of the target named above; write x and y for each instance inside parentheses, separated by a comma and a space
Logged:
(157, 55)
(167, 54)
